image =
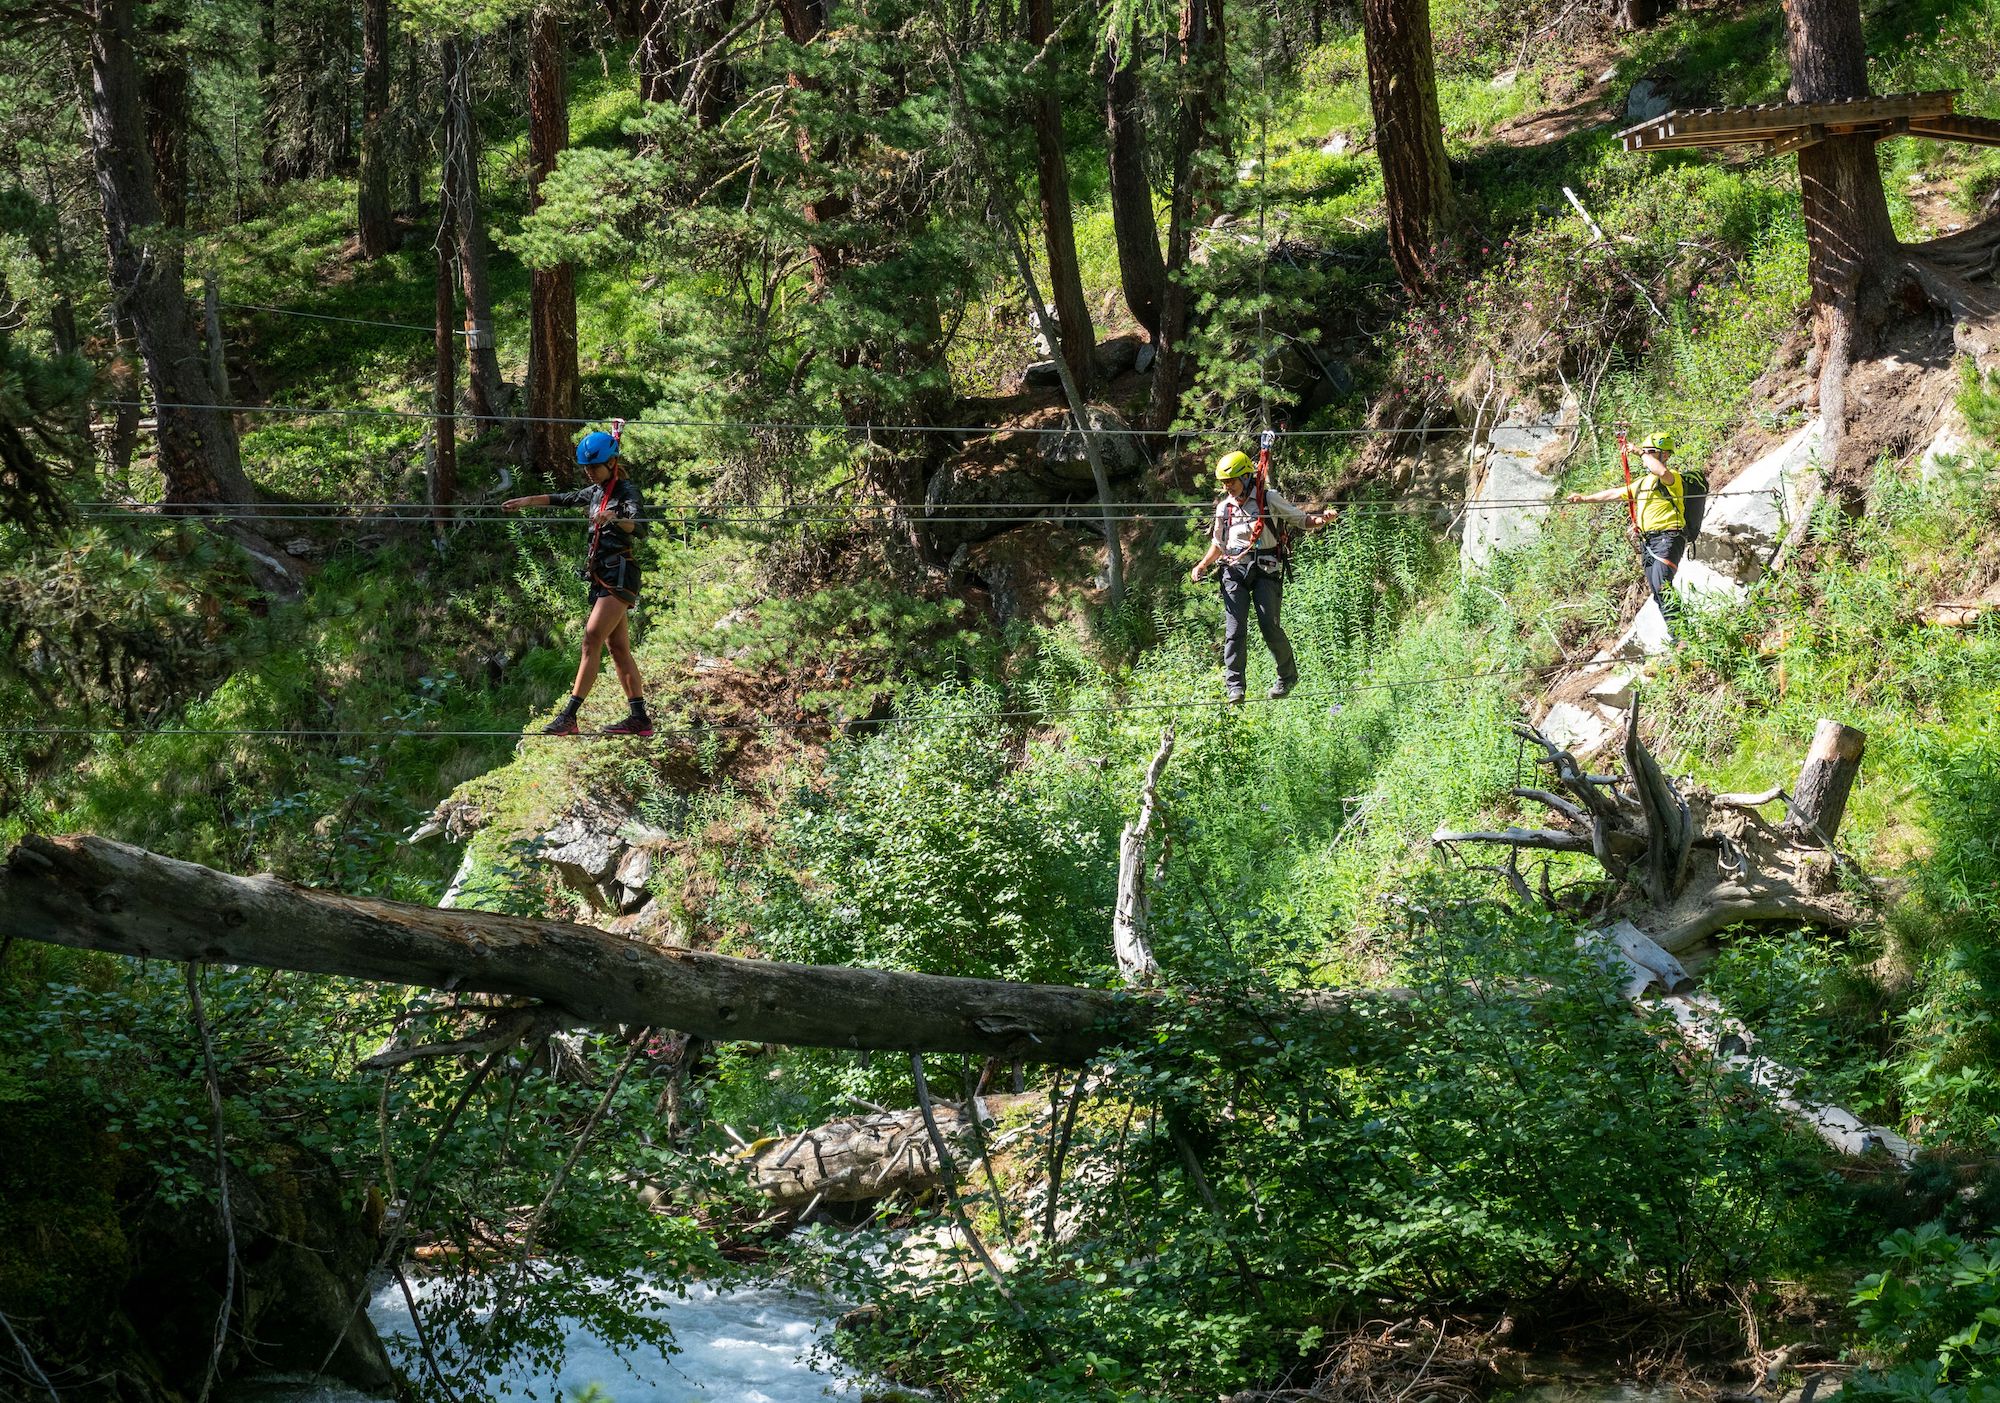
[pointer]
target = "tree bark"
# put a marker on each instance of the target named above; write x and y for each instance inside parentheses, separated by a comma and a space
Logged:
(1850, 243)
(803, 20)
(552, 367)
(1192, 80)
(373, 191)
(442, 480)
(1075, 335)
(1131, 915)
(710, 81)
(656, 54)
(1631, 15)
(486, 394)
(1141, 272)
(211, 321)
(1693, 863)
(1409, 137)
(1819, 798)
(93, 894)
(198, 451)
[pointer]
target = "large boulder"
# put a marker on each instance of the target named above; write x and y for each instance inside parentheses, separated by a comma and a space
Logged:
(1025, 570)
(1746, 520)
(1514, 480)
(1020, 470)
(1064, 459)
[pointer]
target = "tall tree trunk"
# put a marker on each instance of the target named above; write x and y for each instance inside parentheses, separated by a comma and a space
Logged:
(1635, 14)
(1141, 272)
(710, 81)
(267, 88)
(803, 21)
(126, 376)
(656, 51)
(1076, 338)
(373, 211)
(198, 453)
(552, 372)
(164, 91)
(486, 394)
(1193, 83)
(1409, 137)
(442, 481)
(409, 102)
(1850, 244)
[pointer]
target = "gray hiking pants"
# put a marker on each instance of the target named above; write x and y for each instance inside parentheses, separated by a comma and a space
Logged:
(1663, 551)
(1242, 587)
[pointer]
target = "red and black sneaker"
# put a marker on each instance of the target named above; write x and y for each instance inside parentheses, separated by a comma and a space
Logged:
(563, 725)
(631, 726)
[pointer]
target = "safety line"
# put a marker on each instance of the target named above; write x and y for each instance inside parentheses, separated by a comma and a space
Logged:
(966, 513)
(759, 727)
(1211, 431)
(329, 317)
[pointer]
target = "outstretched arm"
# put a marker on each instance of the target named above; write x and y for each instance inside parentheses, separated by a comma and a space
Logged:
(514, 504)
(1609, 494)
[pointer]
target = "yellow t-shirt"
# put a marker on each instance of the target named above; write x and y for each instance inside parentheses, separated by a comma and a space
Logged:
(1661, 504)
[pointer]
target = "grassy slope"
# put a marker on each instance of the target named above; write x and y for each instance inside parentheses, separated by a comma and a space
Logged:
(1298, 818)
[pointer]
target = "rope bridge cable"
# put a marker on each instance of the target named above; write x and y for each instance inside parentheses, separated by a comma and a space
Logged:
(705, 729)
(784, 425)
(968, 513)
(426, 329)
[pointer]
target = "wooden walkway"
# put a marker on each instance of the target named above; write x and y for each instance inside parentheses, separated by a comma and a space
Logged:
(1781, 127)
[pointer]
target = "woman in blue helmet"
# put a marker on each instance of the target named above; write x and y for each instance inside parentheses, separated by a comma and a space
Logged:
(613, 576)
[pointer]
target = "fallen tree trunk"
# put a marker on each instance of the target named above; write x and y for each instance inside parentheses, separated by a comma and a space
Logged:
(93, 894)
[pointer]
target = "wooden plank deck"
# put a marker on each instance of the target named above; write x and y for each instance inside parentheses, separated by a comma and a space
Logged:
(1785, 121)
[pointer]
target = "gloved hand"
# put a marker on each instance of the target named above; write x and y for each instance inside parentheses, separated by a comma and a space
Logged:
(1267, 440)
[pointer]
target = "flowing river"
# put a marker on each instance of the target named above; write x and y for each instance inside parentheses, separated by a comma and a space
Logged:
(751, 1345)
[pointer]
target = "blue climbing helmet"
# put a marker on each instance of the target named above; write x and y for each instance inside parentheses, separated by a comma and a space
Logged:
(596, 447)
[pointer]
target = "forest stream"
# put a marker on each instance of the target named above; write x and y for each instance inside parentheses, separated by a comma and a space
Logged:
(749, 1345)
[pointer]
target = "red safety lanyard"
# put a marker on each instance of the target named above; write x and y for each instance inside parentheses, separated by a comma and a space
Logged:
(1631, 497)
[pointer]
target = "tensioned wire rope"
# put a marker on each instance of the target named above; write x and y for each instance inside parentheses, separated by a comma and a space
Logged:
(738, 514)
(705, 729)
(779, 425)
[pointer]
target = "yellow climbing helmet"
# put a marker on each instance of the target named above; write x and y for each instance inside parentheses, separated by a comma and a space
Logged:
(1661, 441)
(1234, 465)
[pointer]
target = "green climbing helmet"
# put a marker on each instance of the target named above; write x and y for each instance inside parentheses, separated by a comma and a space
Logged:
(1234, 465)
(1661, 441)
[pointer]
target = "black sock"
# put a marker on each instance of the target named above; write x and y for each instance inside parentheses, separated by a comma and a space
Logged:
(574, 705)
(638, 706)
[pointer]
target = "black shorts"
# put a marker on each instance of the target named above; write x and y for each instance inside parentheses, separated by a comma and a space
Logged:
(617, 580)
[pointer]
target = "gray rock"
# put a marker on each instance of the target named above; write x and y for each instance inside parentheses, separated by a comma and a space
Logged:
(301, 547)
(1143, 362)
(634, 869)
(1338, 144)
(1582, 730)
(1063, 454)
(1746, 522)
(1513, 482)
(1116, 355)
(1648, 98)
(1042, 374)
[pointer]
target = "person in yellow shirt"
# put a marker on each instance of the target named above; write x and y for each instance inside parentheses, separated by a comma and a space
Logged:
(1658, 516)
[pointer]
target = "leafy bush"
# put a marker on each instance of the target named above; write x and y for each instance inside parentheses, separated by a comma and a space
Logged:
(1933, 1311)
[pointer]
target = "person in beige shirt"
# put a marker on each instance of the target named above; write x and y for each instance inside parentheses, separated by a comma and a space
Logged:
(1244, 539)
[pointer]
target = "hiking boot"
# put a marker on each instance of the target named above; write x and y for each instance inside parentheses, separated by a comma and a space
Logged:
(1282, 688)
(563, 725)
(1234, 697)
(630, 726)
